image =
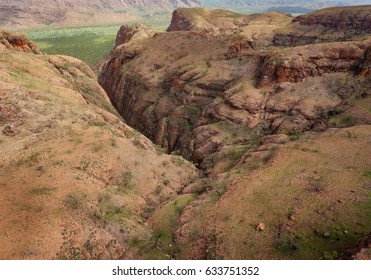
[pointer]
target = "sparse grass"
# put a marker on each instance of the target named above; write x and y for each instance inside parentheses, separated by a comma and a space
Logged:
(317, 184)
(343, 120)
(226, 159)
(75, 200)
(201, 187)
(351, 135)
(162, 243)
(43, 191)
(158, 190)
(269, 155)
(194, 235)
(169, 219)
(134, 242)
(177, 160)
(113, 142)
(166, 182)
(236, 153)
(287, 243)
(41, 169)
(293, 134)
(84, 165)
(112, 213)
(110, 210)
(97, 147)
(221, 189)
(30, 160)
(313, 151)
(126, 183)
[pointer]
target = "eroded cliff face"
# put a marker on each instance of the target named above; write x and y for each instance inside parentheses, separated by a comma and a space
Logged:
(327, 25)
(196, 92)
(296, 64)
(339, 18)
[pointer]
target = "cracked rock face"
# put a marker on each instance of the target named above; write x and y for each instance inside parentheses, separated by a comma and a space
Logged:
(358, 18)
(18, 41)
(195, 91)
(327, 25)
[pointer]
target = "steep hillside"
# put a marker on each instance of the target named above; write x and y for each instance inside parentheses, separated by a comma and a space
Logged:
(279, 130)
(31, 13)
(75, 181)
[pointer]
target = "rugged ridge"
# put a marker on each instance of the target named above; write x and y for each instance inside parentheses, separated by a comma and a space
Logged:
(302, 62)
(327, 25)
(223, 21)
(176, 94)
(339, 18)
(18, 41)
(28, 13)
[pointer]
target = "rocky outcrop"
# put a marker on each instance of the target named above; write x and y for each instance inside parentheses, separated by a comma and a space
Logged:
(224, 22)
(196, 100)
(328, 25)
(18, 41)
(179, 22)
(361, 251)
(364, 69)
(315, 60)
(204, 20)
(339, 18)
(135, 32)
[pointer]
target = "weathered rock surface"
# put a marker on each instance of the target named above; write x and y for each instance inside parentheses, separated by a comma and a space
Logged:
(327, 25)
(18, 41)
(195, 100)
(222, 22)
(339, 18)
(296, 64)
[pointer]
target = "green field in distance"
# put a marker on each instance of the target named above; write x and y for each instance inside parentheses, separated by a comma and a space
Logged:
(91, 43)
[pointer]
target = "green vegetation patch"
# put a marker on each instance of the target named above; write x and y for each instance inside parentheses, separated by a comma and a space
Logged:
(86, 47)
(75, 200)
(162, 244)
(343, 120)
(89, 44)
